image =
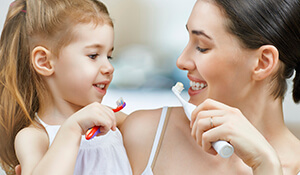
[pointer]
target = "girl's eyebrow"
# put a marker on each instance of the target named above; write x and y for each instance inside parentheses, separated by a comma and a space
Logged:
(199, 33)
(97, 46)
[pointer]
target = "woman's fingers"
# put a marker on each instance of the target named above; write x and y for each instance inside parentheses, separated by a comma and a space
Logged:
(214, 108)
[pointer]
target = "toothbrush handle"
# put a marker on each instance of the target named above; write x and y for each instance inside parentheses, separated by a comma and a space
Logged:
(92, 132)
(223, 148)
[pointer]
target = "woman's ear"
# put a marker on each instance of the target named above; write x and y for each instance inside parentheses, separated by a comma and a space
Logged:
(42, 62)
(267, 62)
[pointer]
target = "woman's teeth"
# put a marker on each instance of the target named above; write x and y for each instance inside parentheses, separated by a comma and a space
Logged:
(197, 86)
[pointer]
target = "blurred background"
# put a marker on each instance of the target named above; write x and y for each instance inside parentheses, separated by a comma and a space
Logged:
(149, 37)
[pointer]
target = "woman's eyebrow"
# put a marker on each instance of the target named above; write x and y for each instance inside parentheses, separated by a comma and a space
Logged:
(199, 33)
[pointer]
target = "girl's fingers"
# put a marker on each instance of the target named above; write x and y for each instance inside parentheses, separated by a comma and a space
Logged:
(96, 114)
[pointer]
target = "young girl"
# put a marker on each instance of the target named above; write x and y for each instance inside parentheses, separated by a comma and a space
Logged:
(54, 74)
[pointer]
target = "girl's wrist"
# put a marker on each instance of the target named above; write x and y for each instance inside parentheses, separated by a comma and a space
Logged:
(72, 127)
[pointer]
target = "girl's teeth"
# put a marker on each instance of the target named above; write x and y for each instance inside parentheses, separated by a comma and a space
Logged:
(101, 86)
(197, 86)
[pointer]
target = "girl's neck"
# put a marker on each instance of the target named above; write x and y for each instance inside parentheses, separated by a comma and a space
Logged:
(55, 113)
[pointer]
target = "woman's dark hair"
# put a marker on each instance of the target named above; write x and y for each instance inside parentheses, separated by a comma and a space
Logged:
(269, 22)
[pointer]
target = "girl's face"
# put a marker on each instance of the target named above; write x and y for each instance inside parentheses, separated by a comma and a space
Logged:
(83, 71)
(218, 67)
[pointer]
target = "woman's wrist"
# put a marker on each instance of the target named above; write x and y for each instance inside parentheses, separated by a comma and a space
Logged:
(270, 164)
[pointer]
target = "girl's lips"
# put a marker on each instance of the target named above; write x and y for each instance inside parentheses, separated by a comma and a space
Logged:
(100, 88)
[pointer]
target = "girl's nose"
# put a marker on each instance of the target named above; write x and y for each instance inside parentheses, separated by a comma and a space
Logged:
(106, 67)
(185, 61)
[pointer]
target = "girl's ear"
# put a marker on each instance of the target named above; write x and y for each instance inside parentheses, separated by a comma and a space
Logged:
(267, 62)
(42, 62)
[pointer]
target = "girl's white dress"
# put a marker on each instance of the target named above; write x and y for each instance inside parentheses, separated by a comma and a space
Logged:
(103, 155)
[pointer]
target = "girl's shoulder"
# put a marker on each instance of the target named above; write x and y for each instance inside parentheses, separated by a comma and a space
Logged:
(30, 141)
(30, 132)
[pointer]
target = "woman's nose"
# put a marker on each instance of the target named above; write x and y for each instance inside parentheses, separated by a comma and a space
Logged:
(185, 60)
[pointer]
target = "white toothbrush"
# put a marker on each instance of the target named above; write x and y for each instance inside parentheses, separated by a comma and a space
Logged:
(223, 148)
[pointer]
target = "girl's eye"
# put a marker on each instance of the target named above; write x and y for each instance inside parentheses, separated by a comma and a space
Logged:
(93, 56)
(109, 57)
(201, 49)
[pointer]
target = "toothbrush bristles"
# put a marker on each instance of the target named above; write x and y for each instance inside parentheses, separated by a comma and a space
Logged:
(120, 101)
(179, 87)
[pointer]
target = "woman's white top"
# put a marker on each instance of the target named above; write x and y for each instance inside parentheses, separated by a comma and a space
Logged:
(159, 131)
(103, 155)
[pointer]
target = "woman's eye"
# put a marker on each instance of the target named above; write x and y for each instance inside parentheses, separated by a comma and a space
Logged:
(109, 57)
(93, 56)
(201, 49)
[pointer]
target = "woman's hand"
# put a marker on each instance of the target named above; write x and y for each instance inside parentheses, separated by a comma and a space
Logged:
(212, 121)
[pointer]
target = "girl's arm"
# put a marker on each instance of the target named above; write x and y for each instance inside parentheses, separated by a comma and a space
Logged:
(32, 143)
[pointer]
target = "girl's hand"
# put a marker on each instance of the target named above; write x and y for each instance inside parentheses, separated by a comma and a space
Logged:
(212, 121)
(94, 114)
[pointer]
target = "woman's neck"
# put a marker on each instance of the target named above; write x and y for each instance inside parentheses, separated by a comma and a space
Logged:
(265, 113)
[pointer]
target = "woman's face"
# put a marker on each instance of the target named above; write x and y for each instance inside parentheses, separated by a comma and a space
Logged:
(218, 67)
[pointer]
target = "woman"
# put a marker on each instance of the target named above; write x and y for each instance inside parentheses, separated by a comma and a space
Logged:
(238, 58)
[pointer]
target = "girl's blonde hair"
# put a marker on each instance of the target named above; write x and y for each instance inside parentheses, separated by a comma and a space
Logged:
(31, 23)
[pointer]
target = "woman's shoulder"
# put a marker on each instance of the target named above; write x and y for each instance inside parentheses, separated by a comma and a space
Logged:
(144, 121)
(289, 152)
(141, 122)
(138, 132)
